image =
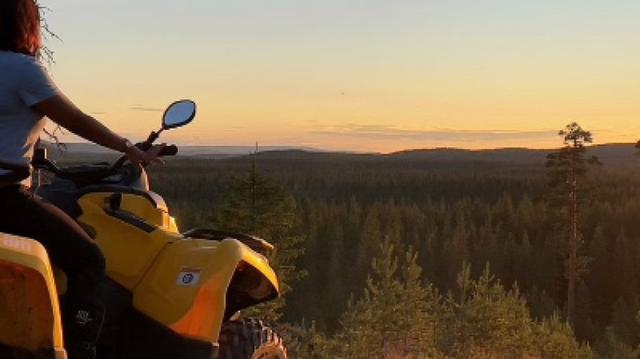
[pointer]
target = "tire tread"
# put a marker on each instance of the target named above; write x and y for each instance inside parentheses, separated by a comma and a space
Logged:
(243, 338)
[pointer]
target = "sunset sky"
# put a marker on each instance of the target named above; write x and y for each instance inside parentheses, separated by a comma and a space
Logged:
(366, 75)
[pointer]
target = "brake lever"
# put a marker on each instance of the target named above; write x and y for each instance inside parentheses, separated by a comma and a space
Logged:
(169, 150)
(143, 146)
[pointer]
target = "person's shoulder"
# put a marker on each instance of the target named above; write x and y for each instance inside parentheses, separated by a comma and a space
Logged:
(16, 57)
(19, 61)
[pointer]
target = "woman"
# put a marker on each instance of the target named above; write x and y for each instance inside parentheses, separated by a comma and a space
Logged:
(27, 96)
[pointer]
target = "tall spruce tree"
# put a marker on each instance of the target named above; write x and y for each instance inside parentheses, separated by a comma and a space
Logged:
(256, 205)
(567, 169)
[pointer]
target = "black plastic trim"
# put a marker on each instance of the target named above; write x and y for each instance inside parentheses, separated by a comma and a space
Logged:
(131, 219)
(257, 244)
(16, 173)
(146, 338)
(130, 334)
(153, 197)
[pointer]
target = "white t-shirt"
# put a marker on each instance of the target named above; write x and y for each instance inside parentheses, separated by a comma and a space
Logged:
(24, 82)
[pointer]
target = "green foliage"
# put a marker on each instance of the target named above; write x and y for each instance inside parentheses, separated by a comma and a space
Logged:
(485, 319)
(398, 316)
(624, 323)
(612, 347)
(396, 312)
(256, 205)
(306, 342)
(553, 338)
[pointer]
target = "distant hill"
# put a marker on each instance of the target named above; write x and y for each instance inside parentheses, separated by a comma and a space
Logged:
(617, 154)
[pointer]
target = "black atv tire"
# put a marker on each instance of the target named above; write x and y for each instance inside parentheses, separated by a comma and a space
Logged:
(249, 338)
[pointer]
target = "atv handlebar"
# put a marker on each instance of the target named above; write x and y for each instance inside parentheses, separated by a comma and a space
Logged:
(92, 174)
(169, 150)
(16, 173)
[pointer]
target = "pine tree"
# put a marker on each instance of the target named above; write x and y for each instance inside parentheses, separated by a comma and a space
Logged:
(256, 205)
(612, 347)
(455, 251)
(523, 263)
(567, 169)
(369, 243)
(485, 320)
(554, 339)
(584, 327)
(396, 312)
(599, 276)
(335, 289)
(624, 266)
(624, 323)
(307, 342)
(540, 303)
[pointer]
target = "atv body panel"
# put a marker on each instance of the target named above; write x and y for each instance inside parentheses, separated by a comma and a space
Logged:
(130, 229)
(29, 305)
(187, 285)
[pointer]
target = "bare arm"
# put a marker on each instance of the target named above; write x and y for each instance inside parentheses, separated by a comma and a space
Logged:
(63, 112)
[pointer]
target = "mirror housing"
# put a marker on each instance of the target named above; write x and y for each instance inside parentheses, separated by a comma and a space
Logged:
(178, 114)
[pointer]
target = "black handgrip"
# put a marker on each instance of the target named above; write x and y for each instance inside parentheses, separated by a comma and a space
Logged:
(16, 173)
(144, 146)
(169, 150)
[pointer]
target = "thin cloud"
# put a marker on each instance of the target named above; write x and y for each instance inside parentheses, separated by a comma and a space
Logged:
(145, 109)
(382, 132)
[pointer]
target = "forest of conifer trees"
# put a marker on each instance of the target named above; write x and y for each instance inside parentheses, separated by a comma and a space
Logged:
(403, 256)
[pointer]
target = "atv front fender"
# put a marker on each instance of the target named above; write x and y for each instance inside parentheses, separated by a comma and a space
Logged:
(188, 287)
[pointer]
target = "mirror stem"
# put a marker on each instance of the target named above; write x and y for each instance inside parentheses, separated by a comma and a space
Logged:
(154, 136)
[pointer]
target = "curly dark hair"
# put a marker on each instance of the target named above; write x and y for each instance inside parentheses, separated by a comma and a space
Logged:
(20, 29)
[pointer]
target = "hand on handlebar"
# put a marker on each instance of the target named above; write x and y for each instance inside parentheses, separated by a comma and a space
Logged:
(139, 157)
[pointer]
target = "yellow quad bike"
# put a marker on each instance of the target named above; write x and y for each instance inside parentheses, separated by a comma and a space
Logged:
(168, 294)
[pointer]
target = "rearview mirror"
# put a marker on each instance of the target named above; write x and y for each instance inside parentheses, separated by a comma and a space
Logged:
(179, 114)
